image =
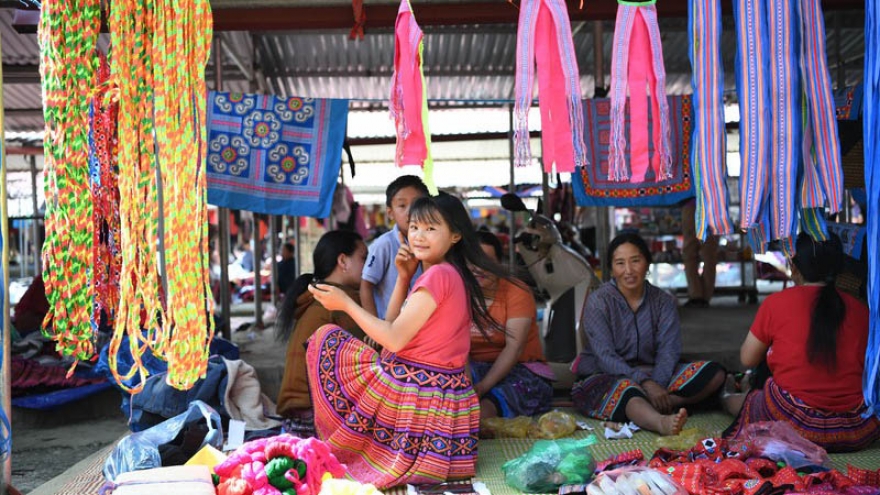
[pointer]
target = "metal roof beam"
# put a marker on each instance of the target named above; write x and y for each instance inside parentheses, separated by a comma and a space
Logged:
(434, 14)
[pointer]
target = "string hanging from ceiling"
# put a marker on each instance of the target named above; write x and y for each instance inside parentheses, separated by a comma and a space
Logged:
(68, 38)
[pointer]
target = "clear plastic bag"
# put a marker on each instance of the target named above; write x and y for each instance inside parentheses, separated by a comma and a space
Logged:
(634, 480)
(141, 450)
(779, 441)
(556, 424)
(550, 464)
(498, 427)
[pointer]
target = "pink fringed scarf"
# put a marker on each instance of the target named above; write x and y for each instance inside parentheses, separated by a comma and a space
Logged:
(409, 102)
(637, 63)
(544, 36)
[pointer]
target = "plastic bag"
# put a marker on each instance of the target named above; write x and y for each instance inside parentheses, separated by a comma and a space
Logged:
(555, 424)
(517, 427)
(684, 440)
(141, 450)
(635, 480)
(778, 440)
(550, 464)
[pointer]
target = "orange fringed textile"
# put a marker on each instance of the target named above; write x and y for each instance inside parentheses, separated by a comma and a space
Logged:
(68, 35)
(159, 56)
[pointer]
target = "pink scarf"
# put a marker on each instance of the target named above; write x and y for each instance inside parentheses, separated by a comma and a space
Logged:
(637, 62)
(544, 38)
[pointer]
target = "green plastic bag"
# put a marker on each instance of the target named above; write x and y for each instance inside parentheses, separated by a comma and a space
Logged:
(550, 464)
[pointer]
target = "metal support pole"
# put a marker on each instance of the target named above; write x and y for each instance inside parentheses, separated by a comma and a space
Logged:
(296, 233)
(273, 254)
(603, 227)
(223, 223)
(511, 220)
(38, 243)
(258, 271)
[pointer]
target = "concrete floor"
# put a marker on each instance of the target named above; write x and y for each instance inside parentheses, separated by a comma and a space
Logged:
(44, 446)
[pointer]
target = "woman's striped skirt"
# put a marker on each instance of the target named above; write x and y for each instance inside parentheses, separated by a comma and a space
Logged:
(391, 421)
(834, 431)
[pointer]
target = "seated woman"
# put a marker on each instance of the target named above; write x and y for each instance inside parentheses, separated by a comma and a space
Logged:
(510, 374)
(820, 396)
(338, 260)
(630, 362)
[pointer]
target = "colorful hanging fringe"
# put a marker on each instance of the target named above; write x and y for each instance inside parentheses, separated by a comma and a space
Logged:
(790, 146)
(68, 36)
(160, 49)
(5, 426)
(821, 141)
(544, 39)
(710, 142)
(409, 96)
(637, 64)
(104, 173)
(871, 122)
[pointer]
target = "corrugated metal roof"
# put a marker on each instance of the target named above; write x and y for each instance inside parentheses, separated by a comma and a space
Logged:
(463, 64)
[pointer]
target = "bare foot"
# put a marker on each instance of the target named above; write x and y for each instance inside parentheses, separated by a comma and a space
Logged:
(671, 424)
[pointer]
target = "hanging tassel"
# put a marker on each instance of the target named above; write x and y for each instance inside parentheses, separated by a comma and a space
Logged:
(636, 38)
(544, 39)
(709, 136)
(360, 19)
(68, 37)
(409, 100)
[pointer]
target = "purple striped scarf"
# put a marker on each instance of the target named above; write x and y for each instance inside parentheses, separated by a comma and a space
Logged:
(709, 139)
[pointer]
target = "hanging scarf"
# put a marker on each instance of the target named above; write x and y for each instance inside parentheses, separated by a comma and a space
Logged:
(821, 142)
(360, 18)
(159, 67)
(104, 171)
(544, 39)
(68, 36)
(637, 63)
(709, 142)
(871, 129)
(409, 96)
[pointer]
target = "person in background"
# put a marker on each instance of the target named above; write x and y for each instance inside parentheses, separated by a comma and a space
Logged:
(510, 374)
(338, 260)
(286, 268)
(380, 274)
(813, 338)
(630, 365)
(701, 286)
(31, 309)
(408, 414)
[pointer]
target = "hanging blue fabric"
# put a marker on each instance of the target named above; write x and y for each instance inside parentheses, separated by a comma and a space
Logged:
(871, 130)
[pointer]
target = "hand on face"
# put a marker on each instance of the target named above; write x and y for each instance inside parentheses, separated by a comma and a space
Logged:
(405, 261)
(331, 297)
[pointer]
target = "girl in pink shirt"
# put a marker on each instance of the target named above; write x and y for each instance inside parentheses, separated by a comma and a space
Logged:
(408, 414)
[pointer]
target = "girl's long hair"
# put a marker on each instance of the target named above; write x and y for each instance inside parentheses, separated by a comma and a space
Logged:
(821, 261)
(463, 253)
(324, 259)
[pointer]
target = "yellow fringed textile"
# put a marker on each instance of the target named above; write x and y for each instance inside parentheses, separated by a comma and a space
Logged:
(68, 35)
(160, 49)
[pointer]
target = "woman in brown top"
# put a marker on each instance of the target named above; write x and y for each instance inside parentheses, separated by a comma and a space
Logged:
(338, 260)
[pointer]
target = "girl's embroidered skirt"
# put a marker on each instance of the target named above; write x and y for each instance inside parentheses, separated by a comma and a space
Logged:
(391, 421)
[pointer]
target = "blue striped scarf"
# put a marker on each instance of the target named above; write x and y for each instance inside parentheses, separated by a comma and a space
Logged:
(709, 136)
(871, 123)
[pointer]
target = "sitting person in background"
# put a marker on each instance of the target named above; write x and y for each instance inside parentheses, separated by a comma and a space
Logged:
(630, 365)
(338, 260)
(510, 374)
(286, 268)
(814, 339)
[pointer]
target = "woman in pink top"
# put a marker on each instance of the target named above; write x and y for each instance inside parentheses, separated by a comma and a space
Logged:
(409, 414)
